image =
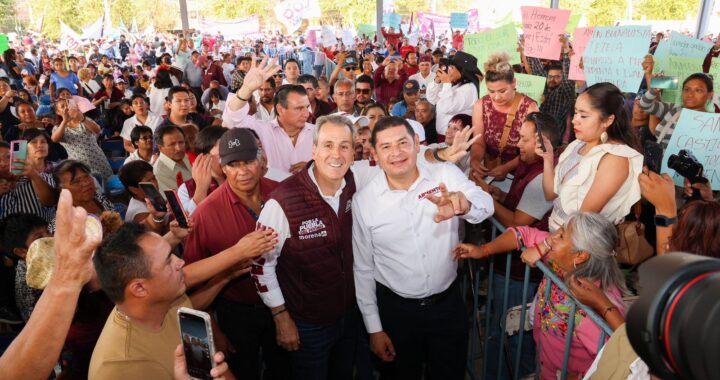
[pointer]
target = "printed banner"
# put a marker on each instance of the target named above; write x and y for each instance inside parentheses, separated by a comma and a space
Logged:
(542, 28)
(698, 133)
(69, 39)
(615, 54)
(237, 28)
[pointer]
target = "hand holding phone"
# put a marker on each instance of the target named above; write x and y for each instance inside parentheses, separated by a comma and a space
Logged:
(177, 208)
(154, 196)
(538, 130)
(18, 152)
(197, 342)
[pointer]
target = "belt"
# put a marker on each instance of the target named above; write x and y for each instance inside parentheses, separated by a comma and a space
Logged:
(426, 301)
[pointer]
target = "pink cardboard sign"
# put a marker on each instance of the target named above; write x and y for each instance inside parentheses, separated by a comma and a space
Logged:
(581, 38)
(542, 28)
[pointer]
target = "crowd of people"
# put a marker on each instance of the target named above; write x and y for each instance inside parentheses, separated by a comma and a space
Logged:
(329, 208)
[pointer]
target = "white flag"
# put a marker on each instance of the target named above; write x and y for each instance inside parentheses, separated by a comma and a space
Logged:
(69, 39)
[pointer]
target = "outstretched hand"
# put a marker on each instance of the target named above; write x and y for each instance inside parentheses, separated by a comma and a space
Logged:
(449, 204)
(258, 74)
(461, 143)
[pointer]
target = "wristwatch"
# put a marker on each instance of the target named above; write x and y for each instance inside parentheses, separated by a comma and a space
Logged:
(664, 221)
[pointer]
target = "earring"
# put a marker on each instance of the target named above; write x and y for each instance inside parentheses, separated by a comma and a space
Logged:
(603, 137)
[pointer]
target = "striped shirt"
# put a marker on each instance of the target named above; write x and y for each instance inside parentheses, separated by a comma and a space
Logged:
(668, 113)
(23, 199)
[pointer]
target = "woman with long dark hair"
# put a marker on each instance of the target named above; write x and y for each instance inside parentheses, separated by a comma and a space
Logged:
(158, 91)
(598, 171)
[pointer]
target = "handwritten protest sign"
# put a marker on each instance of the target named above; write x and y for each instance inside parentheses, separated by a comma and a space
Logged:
(502, 39)
(542, 28)
(615, 54)
(4, 43)
(328, 36)
(699, 133)
(573, 23)
(392, 20)
(458, 20)
(679, 45)
(530, 85)
(366, 29)
(680, 68)
(714, 71)
(581, 38)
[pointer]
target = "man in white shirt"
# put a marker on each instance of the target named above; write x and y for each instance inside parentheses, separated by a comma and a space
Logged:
(424, 76)
(405, 225)
(143, 116)
(266, 105)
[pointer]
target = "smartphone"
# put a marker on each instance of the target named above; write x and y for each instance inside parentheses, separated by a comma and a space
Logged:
(177, 208)
(18, 151)
(653, 156)
(538, 130)
(154, 195)
(665, 83)
(197, 340)
(443, 64)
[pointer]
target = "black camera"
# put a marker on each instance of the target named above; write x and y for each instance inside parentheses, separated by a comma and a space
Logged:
(673, 326)
(685, 164)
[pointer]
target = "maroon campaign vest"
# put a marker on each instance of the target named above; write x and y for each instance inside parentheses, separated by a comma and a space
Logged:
(315, 267)
(524, 174)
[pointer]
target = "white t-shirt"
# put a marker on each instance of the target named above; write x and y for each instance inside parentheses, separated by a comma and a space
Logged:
(134, 207)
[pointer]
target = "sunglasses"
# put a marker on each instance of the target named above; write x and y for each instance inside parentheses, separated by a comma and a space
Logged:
(350, 68)
(363, 91)
(278, 75)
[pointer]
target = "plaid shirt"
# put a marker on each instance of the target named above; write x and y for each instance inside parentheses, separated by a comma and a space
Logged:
(557, 102)
(237, 80)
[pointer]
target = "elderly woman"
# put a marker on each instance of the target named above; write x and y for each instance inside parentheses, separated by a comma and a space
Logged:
(87, 83)
(78, 134)
(581, 252)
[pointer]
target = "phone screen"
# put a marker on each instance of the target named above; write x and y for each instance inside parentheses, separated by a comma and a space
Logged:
(154, 195)
(177, 208)
(196, 342)
(540, 137)
(18, 151)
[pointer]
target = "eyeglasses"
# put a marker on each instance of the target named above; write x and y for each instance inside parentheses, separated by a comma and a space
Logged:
(350, 68)
(364, 91)
(554, 76)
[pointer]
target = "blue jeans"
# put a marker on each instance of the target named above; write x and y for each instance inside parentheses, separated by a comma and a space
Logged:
(527, 359)
(326, 351)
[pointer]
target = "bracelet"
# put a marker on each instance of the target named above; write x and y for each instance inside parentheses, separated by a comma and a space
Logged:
(609, 309)
(437, 156)
(237, 95)
(275, 314)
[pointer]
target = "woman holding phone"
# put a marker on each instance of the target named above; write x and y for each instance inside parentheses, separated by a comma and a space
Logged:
(78, 134)
(697, 93)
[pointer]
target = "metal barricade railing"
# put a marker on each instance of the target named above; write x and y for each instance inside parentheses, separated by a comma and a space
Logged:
(472, 281)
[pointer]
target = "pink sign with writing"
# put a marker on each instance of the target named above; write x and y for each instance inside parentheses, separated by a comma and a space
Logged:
(542, 28)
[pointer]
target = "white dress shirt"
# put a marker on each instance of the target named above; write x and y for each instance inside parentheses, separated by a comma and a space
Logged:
(151, 121)
(397, 243)
(423, 81)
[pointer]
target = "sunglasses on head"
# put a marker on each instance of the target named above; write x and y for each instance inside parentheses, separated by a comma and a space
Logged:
(350, 68)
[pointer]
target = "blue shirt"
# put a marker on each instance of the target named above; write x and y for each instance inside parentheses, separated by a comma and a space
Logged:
(68, 82)
(399, 109)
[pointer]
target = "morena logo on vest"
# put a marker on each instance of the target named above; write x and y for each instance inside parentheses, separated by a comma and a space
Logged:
(312, 228)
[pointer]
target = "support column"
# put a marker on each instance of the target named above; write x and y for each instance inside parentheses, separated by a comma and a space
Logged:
(703, 19)
(379, 20)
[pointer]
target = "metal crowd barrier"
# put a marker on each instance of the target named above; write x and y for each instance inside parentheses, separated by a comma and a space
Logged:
(477, 350)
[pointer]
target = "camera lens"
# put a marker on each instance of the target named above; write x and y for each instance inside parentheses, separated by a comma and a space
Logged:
(673, 326)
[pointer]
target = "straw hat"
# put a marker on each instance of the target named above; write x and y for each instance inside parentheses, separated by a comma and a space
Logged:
(41, 255)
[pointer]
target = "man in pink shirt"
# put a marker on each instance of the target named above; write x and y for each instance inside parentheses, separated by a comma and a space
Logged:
(287, 140)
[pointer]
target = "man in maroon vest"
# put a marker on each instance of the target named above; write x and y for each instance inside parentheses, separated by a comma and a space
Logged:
(307, 280)
(523, 205)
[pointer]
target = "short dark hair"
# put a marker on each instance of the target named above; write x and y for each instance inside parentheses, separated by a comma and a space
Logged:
(244, 58)
(437, 52)
(705, 78)
(271, 82)
(137, 132)
(176, 90)
(16, 229)
(163, 130)
(282, 93)
(365, 79)
(69, 166)
(548, 126)
(138, 95)
(389, 122)
(555, 65)
(307, 78)
(133, 172)
(30, 134)
(119, 260)
(207, 138)
(291, 60)
(108, 76)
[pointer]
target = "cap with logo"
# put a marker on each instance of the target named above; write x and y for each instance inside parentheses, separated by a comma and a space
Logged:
(238, 144)
(350, 61)
(411, 87)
